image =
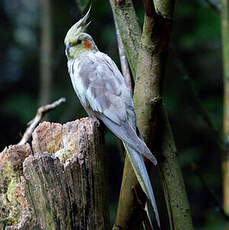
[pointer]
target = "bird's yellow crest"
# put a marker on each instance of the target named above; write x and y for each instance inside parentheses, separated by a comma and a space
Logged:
(77, 28)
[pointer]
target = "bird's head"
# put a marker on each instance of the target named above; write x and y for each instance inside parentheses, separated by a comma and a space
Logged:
(77, 42)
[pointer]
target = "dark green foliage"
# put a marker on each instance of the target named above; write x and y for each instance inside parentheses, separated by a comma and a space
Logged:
(83, 4)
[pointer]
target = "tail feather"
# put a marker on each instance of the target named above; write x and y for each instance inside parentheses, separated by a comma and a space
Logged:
(143, 177)
(135, 149)
(127, 134)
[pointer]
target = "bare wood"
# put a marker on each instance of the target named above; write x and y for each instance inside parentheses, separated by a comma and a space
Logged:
(40, 113)
(129, 210)
(63, 185)
(123, 60)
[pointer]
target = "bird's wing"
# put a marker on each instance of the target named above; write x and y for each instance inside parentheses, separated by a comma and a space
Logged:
(101, 87)
(130, 112)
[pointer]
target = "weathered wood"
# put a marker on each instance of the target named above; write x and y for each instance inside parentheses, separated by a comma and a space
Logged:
(12, 200)
(63, 185)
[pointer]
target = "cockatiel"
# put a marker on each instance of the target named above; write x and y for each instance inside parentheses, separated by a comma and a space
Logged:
(103, 93)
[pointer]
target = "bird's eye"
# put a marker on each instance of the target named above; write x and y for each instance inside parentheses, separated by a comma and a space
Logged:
(78, 42)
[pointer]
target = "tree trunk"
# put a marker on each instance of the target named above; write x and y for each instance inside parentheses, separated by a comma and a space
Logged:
(148, 68)
(45, 52)
(61, 186)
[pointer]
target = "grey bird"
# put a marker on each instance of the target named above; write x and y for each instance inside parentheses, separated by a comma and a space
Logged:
(103, 93)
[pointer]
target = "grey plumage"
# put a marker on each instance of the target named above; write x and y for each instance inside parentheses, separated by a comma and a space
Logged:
(103, 93)
(142, 176)
(107, 97)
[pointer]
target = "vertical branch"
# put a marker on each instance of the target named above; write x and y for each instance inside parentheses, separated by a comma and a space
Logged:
(128, 213)
(125, 17)
(123, 60)
(45, 52)
(147, 84)
(150, 68)
(172, 180)
(149, 73)
(225, 48)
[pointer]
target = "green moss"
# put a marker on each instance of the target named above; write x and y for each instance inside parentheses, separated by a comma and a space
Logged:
(63, 154)
(130, 30)
(51, 146)
(9, 197)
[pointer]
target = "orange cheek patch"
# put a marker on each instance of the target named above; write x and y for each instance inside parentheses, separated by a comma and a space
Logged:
(87, 44)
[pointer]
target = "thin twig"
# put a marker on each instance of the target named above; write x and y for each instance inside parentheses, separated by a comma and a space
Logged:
(40, 113)
(145, 215)
(209, 191)
(124, 61)
(195, 98)
(213, 5)
(208, 121)
(125, 72)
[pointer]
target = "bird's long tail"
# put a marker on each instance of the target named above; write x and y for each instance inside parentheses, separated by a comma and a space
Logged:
(142, 176)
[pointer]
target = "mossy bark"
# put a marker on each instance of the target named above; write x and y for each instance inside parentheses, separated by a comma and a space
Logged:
(171, 177)
(61, 186)
(125, 17)
(147, 84)
(152, 119)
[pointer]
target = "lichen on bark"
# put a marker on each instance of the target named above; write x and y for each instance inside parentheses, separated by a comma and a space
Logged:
(125, 17)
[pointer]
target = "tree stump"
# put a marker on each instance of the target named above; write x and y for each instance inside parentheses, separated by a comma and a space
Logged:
(58, 184)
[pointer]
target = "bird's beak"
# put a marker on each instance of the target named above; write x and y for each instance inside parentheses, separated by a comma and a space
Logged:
(68, 46)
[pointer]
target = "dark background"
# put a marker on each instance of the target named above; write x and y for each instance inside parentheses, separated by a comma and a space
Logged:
(195, 51)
